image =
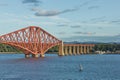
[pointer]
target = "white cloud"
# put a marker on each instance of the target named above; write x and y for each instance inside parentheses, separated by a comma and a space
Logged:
(43, 12)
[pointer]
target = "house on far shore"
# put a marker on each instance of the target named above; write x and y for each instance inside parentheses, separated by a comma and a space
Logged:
(117, 51)
(100, 52)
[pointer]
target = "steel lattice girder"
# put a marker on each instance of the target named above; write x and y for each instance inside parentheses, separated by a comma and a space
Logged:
(30, 40)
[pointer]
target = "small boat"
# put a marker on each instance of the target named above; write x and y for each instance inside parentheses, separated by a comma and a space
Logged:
(81, 67)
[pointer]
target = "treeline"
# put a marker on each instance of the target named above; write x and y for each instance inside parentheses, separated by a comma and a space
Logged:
(53, 49)
(7, 48)
(107, 47)
(98, 47)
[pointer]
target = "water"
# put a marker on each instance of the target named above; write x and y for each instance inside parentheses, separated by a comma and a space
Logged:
(53, 67)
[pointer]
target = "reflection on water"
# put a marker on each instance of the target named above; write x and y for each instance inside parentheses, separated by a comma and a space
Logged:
(95, 67)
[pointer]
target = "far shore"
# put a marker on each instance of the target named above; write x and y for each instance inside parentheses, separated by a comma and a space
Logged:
(10, 52)
(21, 53)
(48, 53)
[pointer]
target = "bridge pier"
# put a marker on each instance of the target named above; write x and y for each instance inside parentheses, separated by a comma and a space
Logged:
(61, 51)
(35, 55)
(78, 50)
(42, 55)
(84, 49)
(66, 50)
(88, 49)
(81, 49)
(74, 50)
(70, 50)
(27, 55)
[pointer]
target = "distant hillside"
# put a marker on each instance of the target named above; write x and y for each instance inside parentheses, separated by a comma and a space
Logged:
(93, 39)
(90, 42)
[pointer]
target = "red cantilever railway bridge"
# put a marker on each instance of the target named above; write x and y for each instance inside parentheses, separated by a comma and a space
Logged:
(36, 41)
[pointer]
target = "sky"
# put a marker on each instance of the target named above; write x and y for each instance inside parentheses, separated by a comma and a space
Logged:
(68, 20)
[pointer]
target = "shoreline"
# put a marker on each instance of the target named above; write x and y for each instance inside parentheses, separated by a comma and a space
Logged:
(49, 53)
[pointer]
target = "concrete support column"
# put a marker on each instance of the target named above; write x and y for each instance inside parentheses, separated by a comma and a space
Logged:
(61, 51)
(70, 50)
(35, 55)
(66, 50)
(81, 49)
(42, 55)
(27, 55)
(78, 50)
(88, 49)
(84, 49)
(74, 50)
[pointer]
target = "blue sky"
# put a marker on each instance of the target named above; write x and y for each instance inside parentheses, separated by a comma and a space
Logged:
(66, 19)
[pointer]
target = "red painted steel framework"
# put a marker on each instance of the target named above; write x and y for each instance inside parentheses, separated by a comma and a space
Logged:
(30, 40)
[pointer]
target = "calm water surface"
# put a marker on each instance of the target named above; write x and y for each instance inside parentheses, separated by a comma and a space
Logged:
(53, 67)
